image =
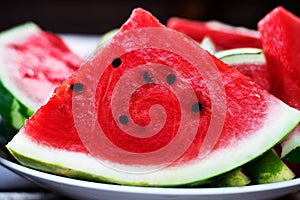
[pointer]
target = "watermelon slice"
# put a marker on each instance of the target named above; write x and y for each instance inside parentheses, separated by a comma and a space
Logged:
(223, 35)
(32, 63)
(144, 110)
(35, 58)
(280, 31)
(251, 62)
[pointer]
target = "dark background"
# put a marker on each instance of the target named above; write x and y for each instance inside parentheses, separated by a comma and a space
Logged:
(97, 17)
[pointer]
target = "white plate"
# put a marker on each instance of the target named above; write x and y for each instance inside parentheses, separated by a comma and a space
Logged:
(78, 189)
(82, 45)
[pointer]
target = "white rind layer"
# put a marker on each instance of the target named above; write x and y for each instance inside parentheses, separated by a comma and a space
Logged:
(241, 56)
(280, 120)
(291, 142)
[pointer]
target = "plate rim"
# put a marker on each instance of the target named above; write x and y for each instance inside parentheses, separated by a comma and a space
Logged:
(25, 171)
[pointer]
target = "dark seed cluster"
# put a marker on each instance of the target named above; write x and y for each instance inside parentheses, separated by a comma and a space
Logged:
(148, 78)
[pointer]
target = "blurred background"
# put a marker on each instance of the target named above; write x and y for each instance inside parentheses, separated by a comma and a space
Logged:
(97, 16)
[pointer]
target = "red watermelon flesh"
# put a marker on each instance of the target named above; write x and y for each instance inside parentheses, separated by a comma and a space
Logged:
(257, 72)
(223, 35)
(280, 31)
(35, 58)
(145, 72)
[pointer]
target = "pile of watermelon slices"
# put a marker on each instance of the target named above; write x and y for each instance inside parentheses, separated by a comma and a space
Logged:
(152, 107)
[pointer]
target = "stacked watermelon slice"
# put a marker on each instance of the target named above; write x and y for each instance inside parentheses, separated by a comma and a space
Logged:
(282, 61)
(153, 108)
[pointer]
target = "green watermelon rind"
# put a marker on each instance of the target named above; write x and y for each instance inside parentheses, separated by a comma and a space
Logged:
(242, 55)
(268, 168)
(293, 156)
(234, 178)
(56, 169)
(13, 115)
(291, 148)
(17, 34)
(231, 179)
(280, 121)
(106, 37)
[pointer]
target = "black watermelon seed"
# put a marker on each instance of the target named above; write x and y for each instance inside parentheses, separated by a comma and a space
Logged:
(171, 78)
(116, 62)
(123, 119)
(148, 77)
(76, 87)
(197, 107)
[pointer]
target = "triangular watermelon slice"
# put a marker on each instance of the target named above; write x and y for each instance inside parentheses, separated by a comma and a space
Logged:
(223, 35)
(32, 63)
(36, 58)
(152, 108)
(280, 31)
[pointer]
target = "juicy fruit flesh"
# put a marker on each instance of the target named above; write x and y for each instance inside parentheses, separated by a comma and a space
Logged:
(37, 64)
(224, 36)
(250, 62)
(257, 72)
(232, 129)
(282, 57)
(39, 123)
(283, 62)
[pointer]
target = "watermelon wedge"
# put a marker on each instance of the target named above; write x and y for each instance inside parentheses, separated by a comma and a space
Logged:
(280, 31)
(251, 62)
(223, 35)
(35, 58)
(32, 63)
(144, 110)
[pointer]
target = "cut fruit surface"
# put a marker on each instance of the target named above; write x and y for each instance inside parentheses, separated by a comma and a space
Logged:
(37, 59)
(223, 35)
(145, 111)
(279, 32)
(282, 57)
(250, 62)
